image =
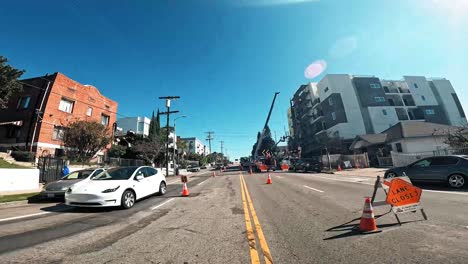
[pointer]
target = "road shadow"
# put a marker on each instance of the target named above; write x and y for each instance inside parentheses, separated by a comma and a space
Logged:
(63, 208)
(352, 228)
(38, 199)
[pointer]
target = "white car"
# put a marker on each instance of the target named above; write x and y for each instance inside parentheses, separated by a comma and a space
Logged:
(121, 186)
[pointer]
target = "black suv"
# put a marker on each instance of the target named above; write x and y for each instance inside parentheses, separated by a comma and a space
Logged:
(306, 165)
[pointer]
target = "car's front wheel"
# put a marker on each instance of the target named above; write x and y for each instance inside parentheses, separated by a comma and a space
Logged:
(390, 175)
(456, 181)
(162, 188)
(128, 199)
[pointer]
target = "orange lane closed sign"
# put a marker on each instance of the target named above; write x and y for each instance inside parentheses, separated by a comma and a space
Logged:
(403, 193)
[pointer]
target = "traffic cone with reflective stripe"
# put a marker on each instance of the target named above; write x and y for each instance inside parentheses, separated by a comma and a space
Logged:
(367, 223)
(339, 168)
(185, 191)
(214, 173)
(269, 179)
(250, 170)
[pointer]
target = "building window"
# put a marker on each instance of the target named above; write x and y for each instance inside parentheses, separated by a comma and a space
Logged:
(89, 112)
(330, 101)
(423, 97)
(105, 119)
(58, 133)
(23, 102)
(430, 112)
(140, 127)
(379, 99)
(384, 112)
(374, 85)
(415, 85)
(66, 105)
(398, 147)
(333, 116)
(326, 89)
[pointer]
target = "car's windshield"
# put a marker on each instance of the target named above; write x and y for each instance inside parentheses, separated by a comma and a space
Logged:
(116, 174)
(78, 175)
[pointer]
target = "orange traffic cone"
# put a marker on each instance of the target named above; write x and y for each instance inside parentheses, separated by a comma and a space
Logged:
(269, 179)
(185, 191)
(250, 170)
(214, 173)
(367, 223)
(356, 166)
(339, 168)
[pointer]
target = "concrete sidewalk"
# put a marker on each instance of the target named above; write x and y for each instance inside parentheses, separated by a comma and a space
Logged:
(367, 172)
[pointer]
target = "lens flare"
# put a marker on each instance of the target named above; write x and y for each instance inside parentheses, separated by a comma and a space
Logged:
(315, 69)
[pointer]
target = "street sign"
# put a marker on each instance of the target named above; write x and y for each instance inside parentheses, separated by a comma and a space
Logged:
(406, 208)
(403, 193)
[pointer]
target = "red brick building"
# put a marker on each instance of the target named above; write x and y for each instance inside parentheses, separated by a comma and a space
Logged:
(58, 100)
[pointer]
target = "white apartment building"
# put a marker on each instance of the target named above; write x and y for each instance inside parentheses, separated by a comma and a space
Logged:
(349, 105)
(195, 145)
(139, 124)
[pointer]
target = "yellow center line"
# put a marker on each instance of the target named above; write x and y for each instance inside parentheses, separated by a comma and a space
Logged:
(254, 256)
(258, 227)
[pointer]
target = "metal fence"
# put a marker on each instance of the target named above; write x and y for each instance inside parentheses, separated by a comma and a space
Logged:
(50, 169)
(114, 162)
(346, 161)
(402, 159)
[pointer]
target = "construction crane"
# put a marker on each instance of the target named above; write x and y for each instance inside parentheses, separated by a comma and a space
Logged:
(260, 139)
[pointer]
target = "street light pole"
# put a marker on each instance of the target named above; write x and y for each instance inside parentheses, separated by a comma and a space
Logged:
(175, 142)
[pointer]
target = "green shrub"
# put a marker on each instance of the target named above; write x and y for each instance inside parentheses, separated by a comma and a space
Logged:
(25, 156)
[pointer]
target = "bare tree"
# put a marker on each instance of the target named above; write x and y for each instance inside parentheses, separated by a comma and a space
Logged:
(149, 149)
(83, 139)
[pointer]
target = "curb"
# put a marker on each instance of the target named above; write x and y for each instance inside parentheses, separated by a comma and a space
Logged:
(13, 203)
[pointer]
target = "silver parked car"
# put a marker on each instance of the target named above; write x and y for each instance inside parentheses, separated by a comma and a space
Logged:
(452, 170)
(58, 188)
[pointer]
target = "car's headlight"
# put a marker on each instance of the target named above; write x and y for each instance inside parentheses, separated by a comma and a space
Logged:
(64, 188)
(111, 190)
(69, 190)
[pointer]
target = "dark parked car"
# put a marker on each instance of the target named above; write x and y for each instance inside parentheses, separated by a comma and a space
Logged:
(452, 170)
(306, 165)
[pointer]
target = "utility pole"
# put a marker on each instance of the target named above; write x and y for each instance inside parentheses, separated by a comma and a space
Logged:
(222, 145)
(167, 113)
(209, 138)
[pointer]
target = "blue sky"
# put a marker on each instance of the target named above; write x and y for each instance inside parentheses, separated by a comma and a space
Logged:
(227, 58)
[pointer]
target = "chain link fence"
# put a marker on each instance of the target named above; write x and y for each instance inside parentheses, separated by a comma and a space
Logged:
(345, 161)
(402, 159)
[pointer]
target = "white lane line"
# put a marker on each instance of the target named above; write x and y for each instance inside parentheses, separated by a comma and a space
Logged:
(159, 205)
(172, 182)
(334, 179)
(317, 190)
(30, 215)
(459, 193)
(201, 183)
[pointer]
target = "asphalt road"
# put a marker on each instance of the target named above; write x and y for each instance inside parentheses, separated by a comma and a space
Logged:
(237, 218)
